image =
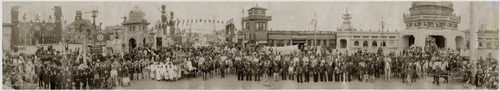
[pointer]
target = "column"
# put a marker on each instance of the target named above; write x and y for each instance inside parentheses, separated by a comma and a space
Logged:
(450, 42)
(327, 42)
(274, 42)
(420, 39)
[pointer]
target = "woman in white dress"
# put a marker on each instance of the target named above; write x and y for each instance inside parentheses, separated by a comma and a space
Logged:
(171, 71)
(152, 68)
(158, 72)
(166, 71)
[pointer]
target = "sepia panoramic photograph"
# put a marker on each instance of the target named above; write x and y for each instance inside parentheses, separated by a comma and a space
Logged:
(250, 45)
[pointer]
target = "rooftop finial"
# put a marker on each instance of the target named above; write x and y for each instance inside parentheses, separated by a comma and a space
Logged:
(346, 10)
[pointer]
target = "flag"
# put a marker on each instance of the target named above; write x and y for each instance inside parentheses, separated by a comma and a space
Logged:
(100, 37)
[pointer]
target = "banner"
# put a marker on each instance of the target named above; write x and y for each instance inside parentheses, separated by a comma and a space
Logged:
(284, 49)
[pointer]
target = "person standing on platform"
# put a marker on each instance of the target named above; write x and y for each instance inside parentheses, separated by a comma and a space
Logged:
(222, 68)
(315, 70)
(284, 68)
(299, 73)
(329, 69)
(307, 71)
(322, 71)
(387, 68)
(248, 70)
(291, 67)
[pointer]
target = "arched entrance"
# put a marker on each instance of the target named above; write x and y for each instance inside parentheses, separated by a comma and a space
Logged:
(343, 43)
(440, 41)
(460, 42)
(408, 40)
(132, 43)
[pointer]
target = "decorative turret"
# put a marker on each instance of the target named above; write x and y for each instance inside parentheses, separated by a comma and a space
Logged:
(346, 25)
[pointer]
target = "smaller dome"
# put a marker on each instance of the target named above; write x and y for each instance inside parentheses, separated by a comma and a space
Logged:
(136, 13)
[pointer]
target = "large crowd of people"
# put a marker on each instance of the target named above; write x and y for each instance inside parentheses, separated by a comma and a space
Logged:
(51, 69)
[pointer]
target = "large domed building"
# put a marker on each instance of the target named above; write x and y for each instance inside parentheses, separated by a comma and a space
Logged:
(434, 20)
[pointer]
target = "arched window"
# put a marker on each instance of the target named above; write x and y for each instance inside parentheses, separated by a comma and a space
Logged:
(374, 43)
(356, 43)
(365, 43)
(383, 43)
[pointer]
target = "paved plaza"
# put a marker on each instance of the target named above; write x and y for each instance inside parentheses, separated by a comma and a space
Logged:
(231, 83)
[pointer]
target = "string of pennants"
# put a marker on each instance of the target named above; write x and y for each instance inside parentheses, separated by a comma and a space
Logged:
(195, 21)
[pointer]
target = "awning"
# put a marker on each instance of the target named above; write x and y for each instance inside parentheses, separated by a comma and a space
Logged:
(261, 42)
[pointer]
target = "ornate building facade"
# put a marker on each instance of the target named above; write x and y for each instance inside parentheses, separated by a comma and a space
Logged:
(136, 32)
(350, 38)
(432, 19)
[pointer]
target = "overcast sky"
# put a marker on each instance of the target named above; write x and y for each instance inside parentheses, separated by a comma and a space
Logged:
(285, 15)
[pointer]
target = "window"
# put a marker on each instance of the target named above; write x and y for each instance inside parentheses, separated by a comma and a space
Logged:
(440, 24)
(480, 45)
(374, 36)
(392, 36)
(365, 43)
(418, 24)
(383, 43)
(324, 43)
(366, 36)
(384, 37)
(356, 43)
(356, 36)
(430, 24)
(374, 43)
(488, 45)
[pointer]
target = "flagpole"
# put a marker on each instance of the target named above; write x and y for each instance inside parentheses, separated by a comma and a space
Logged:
(315, 27)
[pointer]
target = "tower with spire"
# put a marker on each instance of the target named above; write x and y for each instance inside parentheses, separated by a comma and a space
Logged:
(346, 25)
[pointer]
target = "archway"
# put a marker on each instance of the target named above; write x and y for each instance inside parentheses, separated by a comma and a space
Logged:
(356, 43)
(374, 43)
(132, 43)
(408, 40)
(440, 41)
(383, 43)
(459, 40)
(365, 44)
(343, 43)
(159, 42)
(144, 42)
